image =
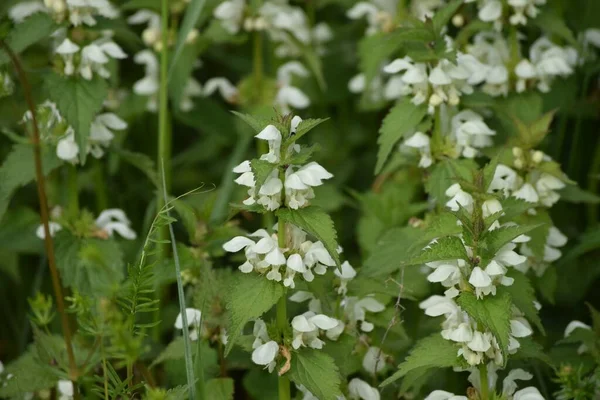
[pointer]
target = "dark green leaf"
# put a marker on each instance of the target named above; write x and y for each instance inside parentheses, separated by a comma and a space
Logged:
(317, 372)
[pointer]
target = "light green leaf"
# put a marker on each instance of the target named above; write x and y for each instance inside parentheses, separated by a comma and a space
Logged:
(443, 15)
(18, 170)
(220, 389)
(400, 121)
(78, 100)
(17, 231)
(445, 173)
(493, 312)
(302, 157)
(523, 296)
(192, 14)
(250, 296)
(342, 351)
(575, 194)
(431, 352)
(316, 222)
(261, 169)
(257, 124)
(142, 162)
(35, 28)
(304, 127)
(92, 266)
(391, 251)
(495, 239)
(373, 50)
(317, 372)
(446, 248)
(553, 24)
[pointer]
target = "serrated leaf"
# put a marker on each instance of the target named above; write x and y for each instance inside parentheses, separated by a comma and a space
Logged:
(495, 239)
(261, 169)
(303, 156)
(250, 296)
(258, 124)
(317, 372)
(513, 207)
(316, 222)
(220, 388)
(78, 100)
(29, 375)
(445, 173)
(142, 162)
(493, 312)
(304, 127)
(488, 172)
(33, 29)
(431, 352)
(523, 297)
(92, 266)
(530, 349)
(18, 169)
(575, 194)
(443, 15)
(445, 248)
(400, 121)
(175, 351)
(391, 250)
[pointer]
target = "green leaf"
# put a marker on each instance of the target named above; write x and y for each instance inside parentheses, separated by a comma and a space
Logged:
(400, 121)
(302, 157)
(316, 222)
(17, 231)
(445, 248)
(575, 194)
(445, 173)
(317, 372)
(261, 169)
(392, 249)
(523, 296)
(33, 29)
(495, 239)
(250, 296)
(29, 375)
(137, 4)
(443, 15)
(257, 124)
(431, 352)
(92, 266)
(78, 100)
(493, 312)
(530, 349)
(220, 388)
(342, 351)
(175, 351)
(142, 162)
(304, 127)
(191, 17)
(553, 24)
(373, 50)
(18, 170)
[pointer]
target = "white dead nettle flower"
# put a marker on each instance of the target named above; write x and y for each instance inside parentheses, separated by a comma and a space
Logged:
(65, 389)
(409, 78)
(299, 183)
(83, 11)
(459, 198)
(231, 15)
(54, 228)
(491, 11)
(423, 9)
(485, 280)
(571, 328)
(287, 95)
(19, 12)
(471, 133)
(307, 328)
(226, 89)
(420, 142)
(361, 390)
(546, 62)
(149, 86)
(101, 135)
(489, 208)
(448, 81)
(314, 304)
(554, 240)
(374, 360)
(93, 57)
(378, 14)
(346, 274)
(443, 395)
(114, 220)
(265, 349)
(505, 180)
(194, 317)
(356, 309)
(487, 59)
(546, 186)
(509, 386)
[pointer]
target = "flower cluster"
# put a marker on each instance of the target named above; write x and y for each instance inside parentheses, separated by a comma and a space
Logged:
(104, 226)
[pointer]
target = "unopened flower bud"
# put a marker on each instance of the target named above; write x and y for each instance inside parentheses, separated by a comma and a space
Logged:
(249, 24)
(435, 100)
(537, 156)
(519, 163)
(191, 36)
(458, 20)
(517, 151)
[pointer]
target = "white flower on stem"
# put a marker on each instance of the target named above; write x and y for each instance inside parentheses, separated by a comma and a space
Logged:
(265, 349)
(19, 12)
(194, 317)
(527, 192)
(471, 133)
(505, 180)
(448, 81)
(411, 79)
(555, 239)
(529, 393)
(379, 14)
(420, 141)
(65, 389)
(101, 132)
(459, 198)
(486, 60)
(290, 96)
(314, 304)
(546, 62)
(231, 15)
(360, 309)
(424, 9)
(374, 360)
(490, 10)
(307, 328)
(357, 84)
(67, 50)
(443, 395)
(66, 148)
(53, 227)
(523, 9)
(361, 390)
(152, 34)
(225, 88)
(317, 259)
(571, 328)
(114, 220)
(346, 274)
(448, 273)
(546, 187)
(299, 184)
(84, 11)
(273, 136)
(489, 208)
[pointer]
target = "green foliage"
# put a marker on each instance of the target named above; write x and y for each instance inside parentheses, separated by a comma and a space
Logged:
(431, 352)
(220, 389)
(304, 127)
(492, 312)
(400, 122)
(523, 296)
(444, 15)
(35, 28)
(316, 222)
(261, 169)
(191, 17)
(445, 248)
(249, 297)
(78, 100)
(495, 239)
(317, 372)
(29, 374)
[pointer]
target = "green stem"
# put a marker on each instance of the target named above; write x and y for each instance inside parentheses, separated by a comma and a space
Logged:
(573, 156)
(199, 372)
(483, 378)
(73, 188)
(592, 185)
(164, 145)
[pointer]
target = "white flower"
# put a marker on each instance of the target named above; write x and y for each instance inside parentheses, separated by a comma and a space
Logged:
(527, 193)
(65, 389)
(19, 12)
(471, 133)
(346, 274)
(306, 329)
(374, 360)
(379, 14)
(529, 393)
(290, 96)
(420, 141)
(546, 186)
(114, 219)
(572, 327)
(299, 184)
(447, 273)
(505, 180)
(359, 389)
(152, 34)
(459, 198)
(226, 89)
(271, 134)
(490, 11)
(194, 318)
(360, 309)
(357, 84)
(54, 227)
(231, 15)
(412, 80)
(265, 349)
(443, 395)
